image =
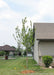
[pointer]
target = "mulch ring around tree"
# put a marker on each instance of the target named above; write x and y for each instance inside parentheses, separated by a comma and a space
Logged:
(27, 71)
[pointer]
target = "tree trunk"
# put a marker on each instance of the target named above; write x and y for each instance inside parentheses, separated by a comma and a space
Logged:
(33, 52)
(26, 58)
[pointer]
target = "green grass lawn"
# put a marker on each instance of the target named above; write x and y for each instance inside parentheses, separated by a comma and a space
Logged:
(15, 66)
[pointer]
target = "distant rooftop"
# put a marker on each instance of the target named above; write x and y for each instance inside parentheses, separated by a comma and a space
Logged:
(7, 48)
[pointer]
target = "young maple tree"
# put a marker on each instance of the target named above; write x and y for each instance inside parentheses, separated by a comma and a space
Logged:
(24, 36)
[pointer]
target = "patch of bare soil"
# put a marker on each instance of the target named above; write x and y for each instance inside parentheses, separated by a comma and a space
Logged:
(27, 71)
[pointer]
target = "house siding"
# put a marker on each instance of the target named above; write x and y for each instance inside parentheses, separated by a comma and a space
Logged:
(36, 56)
(46, 48)
(44, 30)
(44, 40)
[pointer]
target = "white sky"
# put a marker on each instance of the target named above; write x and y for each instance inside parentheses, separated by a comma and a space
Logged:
(12, 12)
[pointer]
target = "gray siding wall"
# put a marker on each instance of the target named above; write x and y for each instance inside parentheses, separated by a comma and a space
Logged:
(36, 56)
(46, 48)
(44, 30)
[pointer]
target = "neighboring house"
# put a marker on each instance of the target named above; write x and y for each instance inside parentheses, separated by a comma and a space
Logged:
(44, 40)
(7, 48)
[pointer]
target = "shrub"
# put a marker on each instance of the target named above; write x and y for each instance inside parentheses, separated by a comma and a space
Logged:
(6, 53)
(2, 53)
(47, 60)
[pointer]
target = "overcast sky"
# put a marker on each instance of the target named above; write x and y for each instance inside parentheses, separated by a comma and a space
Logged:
(12, 12)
